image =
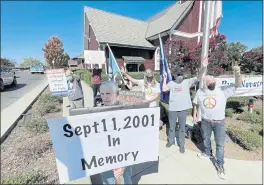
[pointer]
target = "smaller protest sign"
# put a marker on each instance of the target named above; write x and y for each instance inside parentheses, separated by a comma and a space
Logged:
(251, 85)
(94, 57)
(131, 97)
(57, 82)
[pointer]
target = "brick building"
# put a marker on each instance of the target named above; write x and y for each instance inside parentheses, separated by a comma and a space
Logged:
(133, 42)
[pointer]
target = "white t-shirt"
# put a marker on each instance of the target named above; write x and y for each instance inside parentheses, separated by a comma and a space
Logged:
(180, 98)
(213, 103)
(150, 92)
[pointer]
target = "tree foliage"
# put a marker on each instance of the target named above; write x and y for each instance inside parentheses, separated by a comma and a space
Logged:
(235, 51)
(5, 61)
(53, 51)
(30, 61)
(187, 54)
(252, 61)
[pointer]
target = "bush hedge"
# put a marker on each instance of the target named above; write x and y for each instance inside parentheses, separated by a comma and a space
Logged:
(46, 104)
(245, 138)
(251, 118)
(85, 75)
(37, 125)
(229, 112)
(237, 103)
(25, 178)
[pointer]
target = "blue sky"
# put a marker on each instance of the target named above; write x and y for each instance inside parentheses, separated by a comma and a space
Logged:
(26, 26)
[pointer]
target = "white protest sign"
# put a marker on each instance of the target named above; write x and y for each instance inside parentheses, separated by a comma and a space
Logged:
(157, 59)
(57, 81)
(89, 144)
(251, 85)
(94, 57)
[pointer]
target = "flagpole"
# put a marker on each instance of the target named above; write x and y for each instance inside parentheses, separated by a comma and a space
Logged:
(205, 45)
(115, 61)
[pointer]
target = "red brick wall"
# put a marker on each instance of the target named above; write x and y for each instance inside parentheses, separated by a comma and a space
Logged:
(149, 64)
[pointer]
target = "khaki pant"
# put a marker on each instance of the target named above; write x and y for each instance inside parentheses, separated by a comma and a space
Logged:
(77, 104)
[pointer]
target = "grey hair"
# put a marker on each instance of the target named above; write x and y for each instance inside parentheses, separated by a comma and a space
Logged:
(111, 84)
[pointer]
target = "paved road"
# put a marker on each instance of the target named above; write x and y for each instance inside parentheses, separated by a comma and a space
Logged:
(25, 83)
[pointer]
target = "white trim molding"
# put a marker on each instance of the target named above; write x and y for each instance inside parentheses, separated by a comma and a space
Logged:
(187, 35)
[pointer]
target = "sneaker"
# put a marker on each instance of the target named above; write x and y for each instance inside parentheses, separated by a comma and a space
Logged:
(182, 150)
(204, 156)
(168, 145)
(220, 171)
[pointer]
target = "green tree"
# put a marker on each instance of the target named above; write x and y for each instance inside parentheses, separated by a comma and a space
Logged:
(252, 61)
(235, 51)
(53, 51)
(30, 61)
(258, 49)
(5, 61)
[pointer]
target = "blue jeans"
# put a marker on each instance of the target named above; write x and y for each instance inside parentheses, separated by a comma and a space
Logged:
(219, 134)
(109, 178)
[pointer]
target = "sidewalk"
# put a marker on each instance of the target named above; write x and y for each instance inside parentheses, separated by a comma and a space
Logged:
(176, 168)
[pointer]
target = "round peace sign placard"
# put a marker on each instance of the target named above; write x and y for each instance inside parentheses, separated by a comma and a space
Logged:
(209, 102)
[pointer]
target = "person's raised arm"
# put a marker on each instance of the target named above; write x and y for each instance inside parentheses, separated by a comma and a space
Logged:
(238, 78)
(231, 90)
(195, 106)
(134, 81)
(165, 88)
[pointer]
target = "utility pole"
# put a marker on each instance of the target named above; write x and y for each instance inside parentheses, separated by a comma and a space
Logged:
(205, 44)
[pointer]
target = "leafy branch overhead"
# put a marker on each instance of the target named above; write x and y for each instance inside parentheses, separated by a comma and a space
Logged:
(53, 51)
(187, 54)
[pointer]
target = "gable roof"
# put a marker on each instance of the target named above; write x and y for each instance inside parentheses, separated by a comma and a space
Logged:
(116, 29)
(166, 20)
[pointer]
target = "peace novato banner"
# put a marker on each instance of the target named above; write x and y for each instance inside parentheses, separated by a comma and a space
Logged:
(251, 85)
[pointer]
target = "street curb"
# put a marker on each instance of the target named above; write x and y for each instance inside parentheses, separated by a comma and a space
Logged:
(8, 131)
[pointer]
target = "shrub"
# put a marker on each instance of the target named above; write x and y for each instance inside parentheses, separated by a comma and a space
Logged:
(37, 125)
(229, 112)
(47, 104)
(258, 111)
(245, 138)
(47, 97)
(84, 75)
(26, 178)
(237, 103)
(251, 118)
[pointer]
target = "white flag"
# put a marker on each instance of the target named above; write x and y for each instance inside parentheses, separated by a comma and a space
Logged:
(216, 14)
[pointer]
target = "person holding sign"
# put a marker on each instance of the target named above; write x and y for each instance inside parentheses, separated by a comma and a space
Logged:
(76, 93)
(109, 94)
(149, 86)
(212, 101)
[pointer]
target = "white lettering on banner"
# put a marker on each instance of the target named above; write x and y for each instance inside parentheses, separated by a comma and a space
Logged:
(57, 81)
(89, 144)
(94, 57)
(251, 86)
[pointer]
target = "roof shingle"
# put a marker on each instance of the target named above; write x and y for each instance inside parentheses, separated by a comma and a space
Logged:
(116, 29)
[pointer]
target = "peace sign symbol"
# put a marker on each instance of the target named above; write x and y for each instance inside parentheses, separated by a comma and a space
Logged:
(209, 102)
